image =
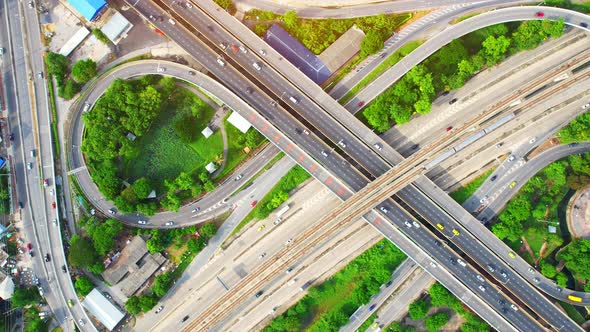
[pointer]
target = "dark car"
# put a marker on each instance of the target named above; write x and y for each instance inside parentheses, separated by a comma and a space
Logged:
(259, 293)
(47, 257)
(449, 128)
(494, 177)
(437, 243)
(11, 137)
(445, 93)
(372, 307)
(21, 205)
(184, 319)
(584, 25)
(388, 283)
(454, 100)
(415, 146)
(31, 253)
(453, 261)
(360, 103)
(249, 90)
(63, 268)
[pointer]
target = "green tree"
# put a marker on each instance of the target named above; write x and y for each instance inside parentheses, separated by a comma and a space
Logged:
(196, 245)
(547, 269)
(83, 285)
(162, 284)
(149, 208)
(57, 65)
(22, 297)
(441, 297)
(142, 187)
(84, 70)
(123, 205)
(82, 253)
(184, 181)
(372, 43)
(69, 89)
(105, 235)
(495, 48)
(158, 240)
(208, 230)
(561, 279)
(418, 309)
(434, 322)
(577, 257)
(171, 202)
(132, 305)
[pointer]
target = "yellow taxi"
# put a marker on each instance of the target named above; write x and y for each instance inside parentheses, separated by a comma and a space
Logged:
(456, 232)
(513, 184)
(261, 228)
(511, 254)
(440, 226)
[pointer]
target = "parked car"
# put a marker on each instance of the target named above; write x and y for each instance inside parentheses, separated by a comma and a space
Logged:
(142, 222)
(170, 223)
(539, 14)
(64, 269)
(47, 258)
(253, 204)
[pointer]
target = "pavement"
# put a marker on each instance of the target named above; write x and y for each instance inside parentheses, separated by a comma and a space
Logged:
(579, 214)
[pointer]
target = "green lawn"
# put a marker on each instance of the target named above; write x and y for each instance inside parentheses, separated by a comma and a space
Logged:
(462, 194)
(163, 155)
(235, 149)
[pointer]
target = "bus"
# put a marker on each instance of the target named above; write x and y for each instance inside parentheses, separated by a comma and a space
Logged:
(574, 298)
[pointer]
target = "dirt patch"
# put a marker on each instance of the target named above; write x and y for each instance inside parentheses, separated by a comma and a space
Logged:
(543, 147)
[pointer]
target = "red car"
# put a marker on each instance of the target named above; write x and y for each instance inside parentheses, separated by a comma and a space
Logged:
(29, 246)
(53, 205)
(540, 14)
(361, 103)
(235, 48)
(253, 204)
(449, 128)
(45, 182)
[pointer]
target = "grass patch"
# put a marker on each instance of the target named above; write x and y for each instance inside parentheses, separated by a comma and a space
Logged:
(572, 312)
(53, 107)
(391, 60)
(366, 324)
(465, 17)
(235, 149)
(290, 181)
(462, 194)
(164, 156)
(328, 306)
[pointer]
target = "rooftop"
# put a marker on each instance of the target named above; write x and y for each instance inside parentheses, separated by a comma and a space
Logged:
(102, 309)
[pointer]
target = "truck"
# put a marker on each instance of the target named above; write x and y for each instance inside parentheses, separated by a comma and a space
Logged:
(305, 286)
(280, 214)
(574, 298)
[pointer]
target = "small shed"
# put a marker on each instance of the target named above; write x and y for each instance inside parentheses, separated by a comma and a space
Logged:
(117, 28)
(211, 167)
(131, 137)
(239, 122)
(207, 132)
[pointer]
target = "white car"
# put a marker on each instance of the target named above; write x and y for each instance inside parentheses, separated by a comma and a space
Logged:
(263, 52)
(383, 209)
(407, 223)
(239, 177)
(532, 140)
(142, 222)
(243, 49)
(416, 224)
(161, 69)
(482, 288)
(511, 158)
(342, 144)
(378, 146)
(195, 210)
(262, 255)
(86, 107)
(170, 223)
(256, 65)
(160, 308)
(480, 278)
(220, 62)
(54, 221)
(585, 106)
(82, 322)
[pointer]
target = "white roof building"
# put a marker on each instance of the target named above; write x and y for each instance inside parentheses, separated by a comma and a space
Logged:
(73, 42)
(211, 167)
(207, 132)
(102, 309)
(239, 122)
(6, 286)
(116, 28)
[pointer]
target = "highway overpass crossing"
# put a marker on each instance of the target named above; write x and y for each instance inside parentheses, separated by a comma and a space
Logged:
(135, 69)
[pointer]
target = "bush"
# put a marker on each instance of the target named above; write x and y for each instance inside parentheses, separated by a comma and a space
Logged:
(82, 253)
(57, 65)
(418, 309)
(162, 284)
(435, 322)
(101, 36)
(208, 231)
(83, 285)
(69, 89)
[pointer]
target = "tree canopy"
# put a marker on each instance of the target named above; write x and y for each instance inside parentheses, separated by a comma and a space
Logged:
(84, 70)
(83, 285)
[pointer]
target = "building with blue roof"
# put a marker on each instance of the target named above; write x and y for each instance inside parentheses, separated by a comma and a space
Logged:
(88, 8)
(299, 55)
